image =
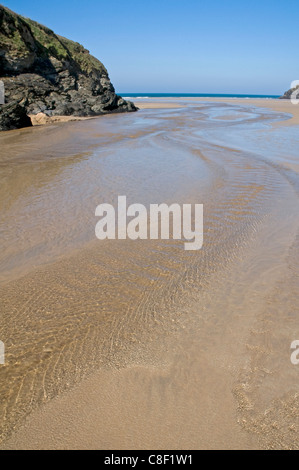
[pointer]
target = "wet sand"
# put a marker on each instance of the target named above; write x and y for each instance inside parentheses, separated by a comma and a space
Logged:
(140, 344)
(159, 104)
(281, 106)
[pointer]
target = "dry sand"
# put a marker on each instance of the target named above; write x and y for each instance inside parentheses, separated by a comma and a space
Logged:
(41, 119)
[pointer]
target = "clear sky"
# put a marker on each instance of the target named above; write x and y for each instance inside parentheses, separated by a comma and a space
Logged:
(191, 46)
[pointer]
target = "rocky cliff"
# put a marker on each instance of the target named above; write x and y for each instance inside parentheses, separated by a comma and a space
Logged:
(46, 73)
(292, 93)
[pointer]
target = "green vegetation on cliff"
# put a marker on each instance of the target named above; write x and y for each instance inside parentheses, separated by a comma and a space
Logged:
(46, 73)
(21, 36)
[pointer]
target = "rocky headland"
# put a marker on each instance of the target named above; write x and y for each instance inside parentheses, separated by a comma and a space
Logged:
(292, 93)
(48, 75)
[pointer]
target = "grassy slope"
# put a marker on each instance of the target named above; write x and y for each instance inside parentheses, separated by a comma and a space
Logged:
(14, 40)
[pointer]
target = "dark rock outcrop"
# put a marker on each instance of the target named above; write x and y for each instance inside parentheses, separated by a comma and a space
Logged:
(43, 72)
(292, 93)
(13, 116)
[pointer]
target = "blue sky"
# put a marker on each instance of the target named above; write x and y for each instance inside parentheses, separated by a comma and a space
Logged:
(191, 46)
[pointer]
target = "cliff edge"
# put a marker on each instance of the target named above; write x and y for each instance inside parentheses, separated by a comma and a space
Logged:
(46, 73)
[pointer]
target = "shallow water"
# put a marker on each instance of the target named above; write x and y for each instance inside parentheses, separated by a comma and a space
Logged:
(209, 330)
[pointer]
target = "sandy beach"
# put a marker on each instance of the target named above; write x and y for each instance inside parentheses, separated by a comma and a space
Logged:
(281, 106)
(141, 344)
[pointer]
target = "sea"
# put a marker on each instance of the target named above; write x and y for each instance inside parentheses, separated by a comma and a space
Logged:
(195, 95)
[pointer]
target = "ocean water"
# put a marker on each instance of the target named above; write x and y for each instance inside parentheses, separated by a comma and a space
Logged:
(194, 95)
